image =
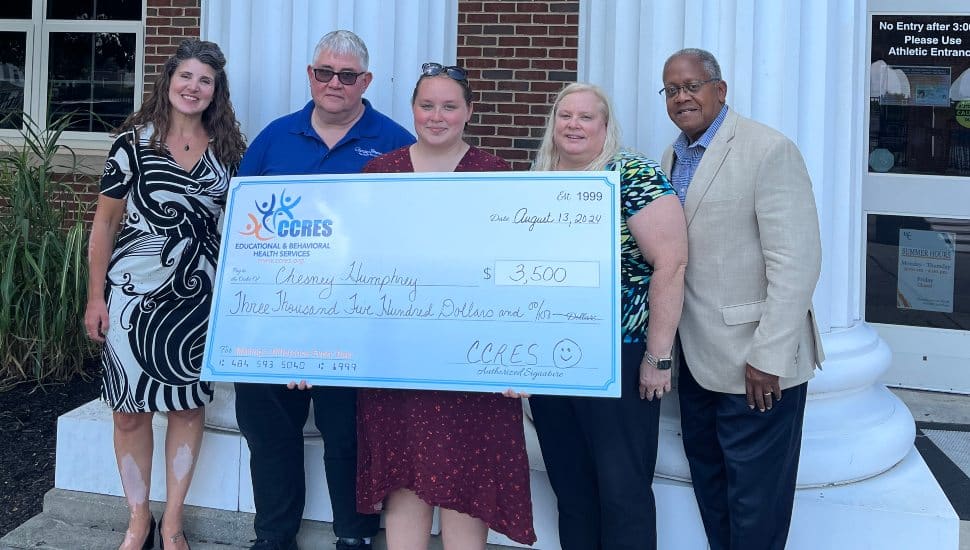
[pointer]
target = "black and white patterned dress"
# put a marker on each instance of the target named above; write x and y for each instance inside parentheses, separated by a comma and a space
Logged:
(159, 281)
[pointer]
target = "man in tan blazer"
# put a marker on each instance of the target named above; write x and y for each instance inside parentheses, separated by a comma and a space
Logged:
(747, 332)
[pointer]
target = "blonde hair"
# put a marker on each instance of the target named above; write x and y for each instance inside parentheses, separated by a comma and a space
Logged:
(547, 157)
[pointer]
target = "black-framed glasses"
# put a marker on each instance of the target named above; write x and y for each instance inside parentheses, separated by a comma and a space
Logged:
(347, 78)
(691, 88)
(452, 71)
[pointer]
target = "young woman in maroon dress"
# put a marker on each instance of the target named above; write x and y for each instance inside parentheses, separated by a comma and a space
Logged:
(463, 452)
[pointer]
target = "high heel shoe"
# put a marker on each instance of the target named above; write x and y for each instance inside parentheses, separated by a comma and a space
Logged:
(149, 542)
(174, 538)
(150, 539)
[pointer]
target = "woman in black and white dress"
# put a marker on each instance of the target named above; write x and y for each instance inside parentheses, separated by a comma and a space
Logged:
(152, 255)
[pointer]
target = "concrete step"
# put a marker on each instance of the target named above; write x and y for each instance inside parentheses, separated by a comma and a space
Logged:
(110, 514)
(74, 520)
(46, 532)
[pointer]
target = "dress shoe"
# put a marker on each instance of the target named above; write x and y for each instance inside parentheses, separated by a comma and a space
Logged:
(352, 544)
(173, 539)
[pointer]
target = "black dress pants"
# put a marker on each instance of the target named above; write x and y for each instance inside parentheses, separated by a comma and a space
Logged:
(600, 454)
(271, 418)
(743, 463)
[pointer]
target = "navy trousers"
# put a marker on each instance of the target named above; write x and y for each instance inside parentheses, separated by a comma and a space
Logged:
(743, 463)
(600, 454)
(271, 418)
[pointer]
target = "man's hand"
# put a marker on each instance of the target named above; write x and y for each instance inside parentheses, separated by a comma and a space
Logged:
(302, 385)
(653, 381)
(761, 388)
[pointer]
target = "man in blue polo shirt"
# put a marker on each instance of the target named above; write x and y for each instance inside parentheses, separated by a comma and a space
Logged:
(336, 133)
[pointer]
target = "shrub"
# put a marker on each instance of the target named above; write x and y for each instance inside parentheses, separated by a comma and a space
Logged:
(43, 261)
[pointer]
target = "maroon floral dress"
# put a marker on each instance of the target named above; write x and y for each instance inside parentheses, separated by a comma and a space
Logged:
(463, 451)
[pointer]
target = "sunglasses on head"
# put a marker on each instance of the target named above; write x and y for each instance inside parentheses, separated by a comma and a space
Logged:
(452, 71)
(347, 78)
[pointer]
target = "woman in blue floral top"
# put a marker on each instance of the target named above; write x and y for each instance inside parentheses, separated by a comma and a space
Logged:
(600, 452)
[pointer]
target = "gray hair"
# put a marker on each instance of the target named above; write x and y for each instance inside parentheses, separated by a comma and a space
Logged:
(548, 156)
(707, 59)
(342, 42)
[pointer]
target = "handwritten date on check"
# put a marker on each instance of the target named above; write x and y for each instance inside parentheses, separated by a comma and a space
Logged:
(447, 281)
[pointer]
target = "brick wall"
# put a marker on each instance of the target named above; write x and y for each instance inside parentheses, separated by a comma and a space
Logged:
(167, 23)
(519, 54)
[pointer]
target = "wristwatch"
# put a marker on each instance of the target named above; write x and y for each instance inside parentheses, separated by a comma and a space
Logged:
(662, 363)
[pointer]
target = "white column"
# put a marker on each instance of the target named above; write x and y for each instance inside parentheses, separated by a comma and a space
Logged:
(798, 67)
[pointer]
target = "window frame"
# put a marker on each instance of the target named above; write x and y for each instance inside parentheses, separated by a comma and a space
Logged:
(25, 26)
(36, 79)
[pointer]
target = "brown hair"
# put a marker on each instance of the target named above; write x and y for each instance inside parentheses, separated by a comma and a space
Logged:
(466, 87)
(219, 118)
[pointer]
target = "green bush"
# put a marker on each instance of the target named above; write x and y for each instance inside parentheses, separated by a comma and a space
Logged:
(43, 261)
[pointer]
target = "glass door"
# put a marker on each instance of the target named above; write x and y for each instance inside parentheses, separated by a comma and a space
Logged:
(916, 190)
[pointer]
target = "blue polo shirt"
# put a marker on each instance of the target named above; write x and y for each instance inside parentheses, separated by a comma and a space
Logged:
(290, 146)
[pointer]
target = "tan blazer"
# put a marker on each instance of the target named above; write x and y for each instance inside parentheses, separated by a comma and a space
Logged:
(754, 260)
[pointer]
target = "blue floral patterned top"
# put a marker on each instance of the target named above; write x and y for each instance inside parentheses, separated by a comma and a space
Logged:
(641, 181)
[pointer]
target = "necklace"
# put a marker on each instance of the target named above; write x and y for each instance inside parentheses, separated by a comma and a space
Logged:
(185, 147)
(173, 139)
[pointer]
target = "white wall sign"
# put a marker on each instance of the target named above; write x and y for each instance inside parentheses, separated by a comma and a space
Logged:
(926, 268)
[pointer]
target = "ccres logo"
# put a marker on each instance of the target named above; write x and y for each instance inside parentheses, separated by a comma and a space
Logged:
(274, 218)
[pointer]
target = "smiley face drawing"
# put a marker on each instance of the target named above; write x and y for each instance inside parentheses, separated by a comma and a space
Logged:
(566, 354)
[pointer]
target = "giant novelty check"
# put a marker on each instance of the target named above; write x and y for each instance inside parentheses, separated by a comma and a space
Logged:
(450, 281)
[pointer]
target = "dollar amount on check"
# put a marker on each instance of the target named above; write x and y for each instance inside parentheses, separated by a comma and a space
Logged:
(450, 281)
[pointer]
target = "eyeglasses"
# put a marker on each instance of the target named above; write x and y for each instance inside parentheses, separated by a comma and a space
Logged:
(452, 71)
(347, 78)
(691, 88)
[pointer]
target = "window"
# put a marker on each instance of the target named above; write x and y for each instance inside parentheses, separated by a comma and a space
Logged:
(13, 65)
(80, 59)
(916, 271)
(919, 94)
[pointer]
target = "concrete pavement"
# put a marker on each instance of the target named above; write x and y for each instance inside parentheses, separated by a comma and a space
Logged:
(944, 408)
